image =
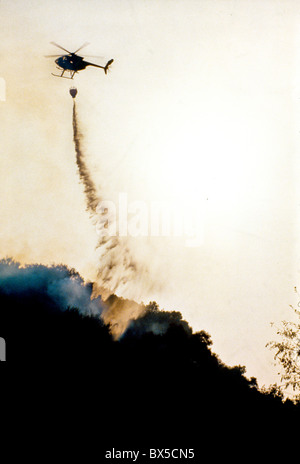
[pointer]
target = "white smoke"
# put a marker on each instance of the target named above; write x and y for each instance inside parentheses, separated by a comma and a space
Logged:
(62, 285)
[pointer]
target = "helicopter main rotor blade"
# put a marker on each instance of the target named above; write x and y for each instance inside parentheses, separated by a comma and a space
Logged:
(52, 56)
(59, 46)
(94, 56)
(84, 45)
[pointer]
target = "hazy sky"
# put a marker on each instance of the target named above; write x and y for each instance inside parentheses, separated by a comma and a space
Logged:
(201, 107)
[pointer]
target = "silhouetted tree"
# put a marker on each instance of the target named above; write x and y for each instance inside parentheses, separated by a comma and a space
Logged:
(287, 354)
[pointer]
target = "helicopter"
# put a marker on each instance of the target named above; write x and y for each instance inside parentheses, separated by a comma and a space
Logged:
(73, 62)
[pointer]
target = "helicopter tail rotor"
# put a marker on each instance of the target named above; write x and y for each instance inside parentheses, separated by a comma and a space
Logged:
(108, 65)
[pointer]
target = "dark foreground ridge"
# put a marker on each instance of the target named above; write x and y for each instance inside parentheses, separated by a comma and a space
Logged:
(159, 376)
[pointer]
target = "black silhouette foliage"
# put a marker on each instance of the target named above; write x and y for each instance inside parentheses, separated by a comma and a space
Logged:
(159, 376)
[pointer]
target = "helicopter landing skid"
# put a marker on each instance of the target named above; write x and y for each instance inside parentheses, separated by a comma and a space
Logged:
(64, 77)
(62, 74)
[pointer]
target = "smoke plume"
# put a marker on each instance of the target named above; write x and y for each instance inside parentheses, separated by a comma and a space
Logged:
(64, 287)
(117, 266)
(90, 190)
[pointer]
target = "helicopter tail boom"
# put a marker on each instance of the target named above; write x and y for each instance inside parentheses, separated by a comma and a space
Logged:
(98, 66)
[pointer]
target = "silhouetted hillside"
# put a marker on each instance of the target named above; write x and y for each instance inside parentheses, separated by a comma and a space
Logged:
(158, 375)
